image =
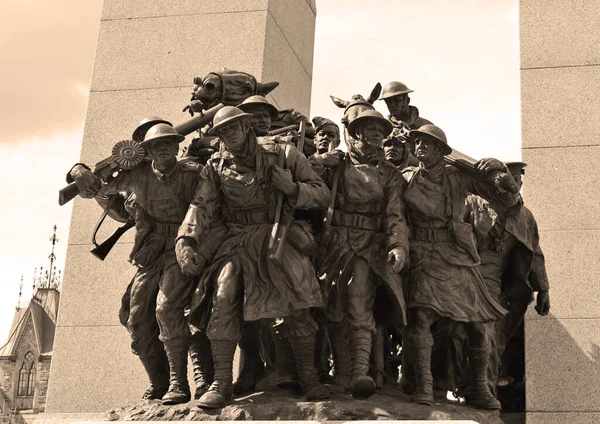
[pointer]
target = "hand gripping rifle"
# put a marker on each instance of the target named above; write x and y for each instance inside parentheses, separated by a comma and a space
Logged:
(279, 236)
(128, 154)
(466, 165)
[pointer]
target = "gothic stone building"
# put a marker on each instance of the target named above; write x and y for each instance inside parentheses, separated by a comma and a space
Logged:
(25, 358)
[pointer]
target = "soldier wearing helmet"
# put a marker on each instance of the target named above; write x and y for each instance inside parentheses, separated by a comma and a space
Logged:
(163, 188)
(444, 279)
(395, 95)
(366, 247)
(241, 183)
(263, 114)
(404, 117)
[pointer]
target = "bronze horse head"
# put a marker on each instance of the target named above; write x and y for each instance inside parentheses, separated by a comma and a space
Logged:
(228, 87)
(357, 104)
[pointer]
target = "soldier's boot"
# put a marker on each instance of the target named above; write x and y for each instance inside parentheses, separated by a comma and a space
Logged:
(362, 385)
(157, 368)
(252, 366)
(479, 391)
(179, 388)
(303, 349)
(221, 390)
(202, 363)
(341, 358)
(378, 356)
(420, 357)
(285, 364)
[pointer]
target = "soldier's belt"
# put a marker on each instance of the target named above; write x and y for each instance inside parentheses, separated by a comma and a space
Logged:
(249, 217)
(431, 234)
(165, 230)
(354, 220)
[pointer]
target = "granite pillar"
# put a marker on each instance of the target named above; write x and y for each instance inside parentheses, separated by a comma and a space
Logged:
(148, 53)
(560, 92)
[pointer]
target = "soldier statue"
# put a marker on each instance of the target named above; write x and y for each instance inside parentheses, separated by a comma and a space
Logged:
(163, 188)
(367, 244)
(443, 279)
(242, 184)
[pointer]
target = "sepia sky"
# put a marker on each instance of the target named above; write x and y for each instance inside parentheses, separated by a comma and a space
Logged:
(460, 57)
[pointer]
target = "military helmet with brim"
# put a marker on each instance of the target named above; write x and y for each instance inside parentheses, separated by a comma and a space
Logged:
(162, 131)
(394, 88)
(226, 115)
(254, 102)
(367, 115)
(433, 133)
(516, 168)
(140, 132)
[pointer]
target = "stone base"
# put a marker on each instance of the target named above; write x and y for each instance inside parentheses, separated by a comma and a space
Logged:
(276, 404)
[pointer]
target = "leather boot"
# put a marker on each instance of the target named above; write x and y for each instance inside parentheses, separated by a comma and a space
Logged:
(285, 364)
(341, 358)
(202, 363)
(252, 366)
(221, 390)
(479, 392)
(363, 386)
(304, 353)
(420, 357)
(157, 368)
(179, 388)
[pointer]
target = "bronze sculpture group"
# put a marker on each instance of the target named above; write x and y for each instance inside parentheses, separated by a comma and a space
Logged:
(324, 265)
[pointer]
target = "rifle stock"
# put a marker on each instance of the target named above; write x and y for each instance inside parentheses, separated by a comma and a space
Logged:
(278, 243)
(466, 165)
(102, 249)
(106, 167)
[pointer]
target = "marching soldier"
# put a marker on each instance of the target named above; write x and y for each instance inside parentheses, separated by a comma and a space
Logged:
(241, 184)
(443, 279)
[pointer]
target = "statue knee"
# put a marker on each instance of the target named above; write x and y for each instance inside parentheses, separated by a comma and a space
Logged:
(228, 282)
(420, 321)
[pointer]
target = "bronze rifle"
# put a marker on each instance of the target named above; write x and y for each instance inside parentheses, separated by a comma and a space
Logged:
(466, 165)
(277, 243)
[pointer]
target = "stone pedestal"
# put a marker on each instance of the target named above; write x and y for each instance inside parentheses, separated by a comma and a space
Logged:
(560, 93)
(147, 55)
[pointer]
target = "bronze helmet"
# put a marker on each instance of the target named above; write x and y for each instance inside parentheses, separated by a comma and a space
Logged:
(140, 132)
(259, 101)
(226, 115)
(432, 132)
(370, 114)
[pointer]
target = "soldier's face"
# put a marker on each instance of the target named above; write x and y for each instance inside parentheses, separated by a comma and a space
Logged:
(427, 150)
(394, 151)
(326, 136)
(398, 105)
(261, 121)
(163, 151)
(371, 132)
(233, 136)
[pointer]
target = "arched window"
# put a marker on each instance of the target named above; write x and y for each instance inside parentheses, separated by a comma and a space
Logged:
(26, 384)
(31, 380)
